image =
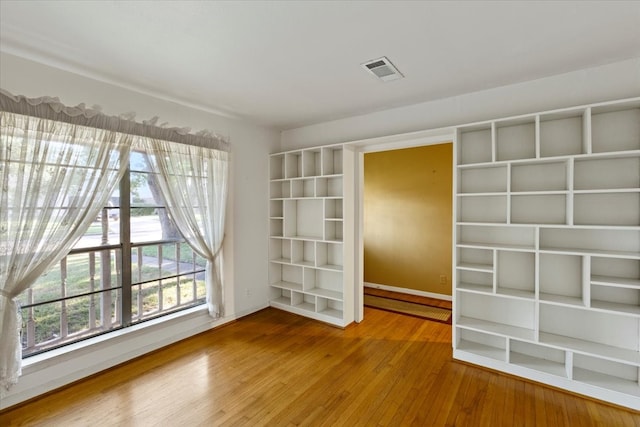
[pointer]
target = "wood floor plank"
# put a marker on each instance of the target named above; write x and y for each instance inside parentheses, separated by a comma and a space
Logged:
(276, 369)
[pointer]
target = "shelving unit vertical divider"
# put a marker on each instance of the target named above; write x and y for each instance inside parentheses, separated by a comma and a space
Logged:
(586, 131)
(536, 295)
(508, 193)
(569, 196)
(537, 136)
(586, 280)
(568, 364)
(494, 142)
(494, 276)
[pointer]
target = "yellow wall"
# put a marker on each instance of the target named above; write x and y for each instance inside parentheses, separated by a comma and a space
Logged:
(408, 218)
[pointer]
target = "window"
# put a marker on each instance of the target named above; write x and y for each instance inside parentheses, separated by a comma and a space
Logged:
(130, 266)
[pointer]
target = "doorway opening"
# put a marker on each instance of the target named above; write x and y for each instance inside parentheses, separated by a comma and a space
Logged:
(393, 219)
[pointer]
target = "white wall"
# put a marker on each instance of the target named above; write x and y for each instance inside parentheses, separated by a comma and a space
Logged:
(245, 247)
(609, 82)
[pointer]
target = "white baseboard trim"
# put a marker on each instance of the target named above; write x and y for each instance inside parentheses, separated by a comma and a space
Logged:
(51, 370)
(408, 291)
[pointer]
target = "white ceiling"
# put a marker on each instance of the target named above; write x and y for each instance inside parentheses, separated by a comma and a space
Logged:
(287, 64)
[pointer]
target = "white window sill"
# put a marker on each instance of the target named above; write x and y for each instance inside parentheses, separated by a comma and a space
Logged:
(33, 363)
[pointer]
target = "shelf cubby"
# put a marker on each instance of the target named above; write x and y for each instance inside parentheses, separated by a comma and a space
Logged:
(507, 316)
(561, 279)
(594, 330)
(329, 256)
(302, 188)
(543, 176)
(538, 357)
(475, 281)
(475, 259)
(616, 128)
(539, 209)
(303, 219)
(303, 301)
(492, 209)
(607, 173)
(624, 273)
(486, 345)
(330, 308)
(616, 299)
(332, 161)
(591, 241)
(276, 209)
(276, 166)
(329, 187)
(276, 227)
(516, 139)
(280, 296)
(515, 272)
(498, 237)
(285, 276)
(280, 250)
(621, 209)
(303, 252)
(621, 377)
(311, 163)
(475, 145)
(293, 165)
(323, 283)
(280, 190)
(562, 134)
(483, 180)
(333, 209)
(333, 231)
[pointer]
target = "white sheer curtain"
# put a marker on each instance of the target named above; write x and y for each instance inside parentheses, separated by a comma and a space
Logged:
(193, 181)
(54, 179)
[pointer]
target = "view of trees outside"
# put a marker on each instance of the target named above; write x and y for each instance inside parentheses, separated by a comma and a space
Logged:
(84, 291)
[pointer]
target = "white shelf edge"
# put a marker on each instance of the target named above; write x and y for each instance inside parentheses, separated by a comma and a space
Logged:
(515, 293)
(479, 194)
(599, 252)
(287, 285)
(517, 248)
(476, 289)
(330, 267)
(324, 293)
(485, 268)
(280, 261)
(608, 191)
(552, 159)
(540, 193)
(562, 300)
(618, 282)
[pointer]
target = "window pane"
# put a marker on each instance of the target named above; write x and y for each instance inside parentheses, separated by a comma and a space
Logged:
(57, 323)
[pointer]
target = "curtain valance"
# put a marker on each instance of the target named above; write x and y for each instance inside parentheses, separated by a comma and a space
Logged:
(51, 108)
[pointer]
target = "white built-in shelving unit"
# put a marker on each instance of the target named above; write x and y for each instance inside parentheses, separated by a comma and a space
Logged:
(309, 273)
(547, 248)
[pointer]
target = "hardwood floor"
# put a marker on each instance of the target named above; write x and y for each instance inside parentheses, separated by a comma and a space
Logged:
(277, 369)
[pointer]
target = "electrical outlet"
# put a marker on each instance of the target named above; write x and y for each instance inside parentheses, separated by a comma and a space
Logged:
(443, 279)
(247, 292)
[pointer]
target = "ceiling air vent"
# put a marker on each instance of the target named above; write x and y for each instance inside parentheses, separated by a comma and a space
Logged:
(383, 69)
